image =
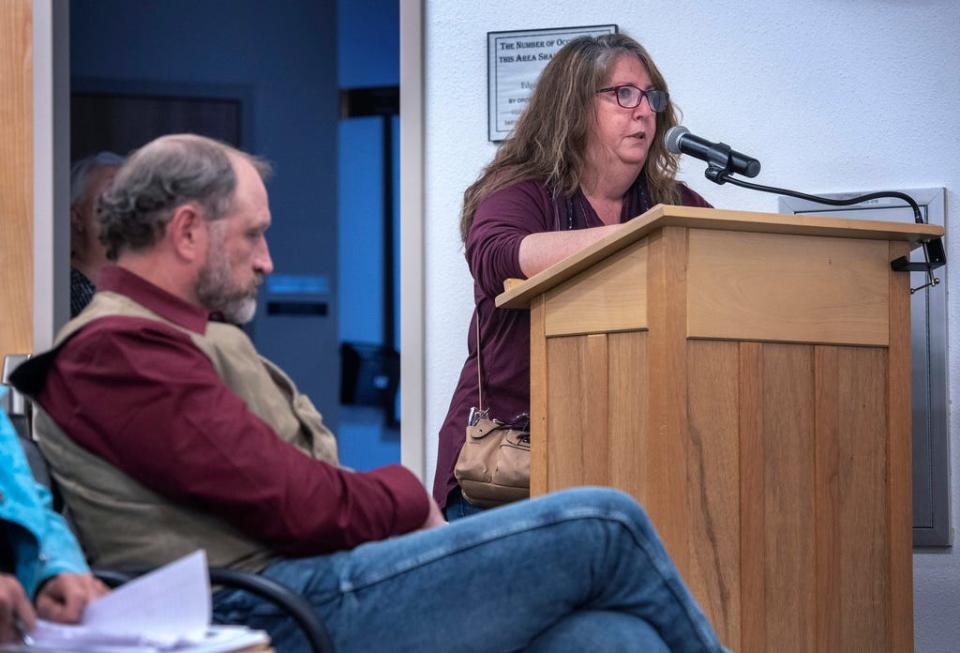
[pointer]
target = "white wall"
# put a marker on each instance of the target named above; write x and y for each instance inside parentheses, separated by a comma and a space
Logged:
(830, 95)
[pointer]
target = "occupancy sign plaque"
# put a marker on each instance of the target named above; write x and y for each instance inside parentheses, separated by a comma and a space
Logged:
(514, 62)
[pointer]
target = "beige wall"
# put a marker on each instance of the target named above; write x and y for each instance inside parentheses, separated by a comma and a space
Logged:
(16, 177)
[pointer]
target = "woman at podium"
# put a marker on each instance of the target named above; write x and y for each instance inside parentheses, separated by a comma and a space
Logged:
(586, 156)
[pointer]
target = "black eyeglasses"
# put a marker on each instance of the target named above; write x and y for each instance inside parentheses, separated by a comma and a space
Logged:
(629, 96)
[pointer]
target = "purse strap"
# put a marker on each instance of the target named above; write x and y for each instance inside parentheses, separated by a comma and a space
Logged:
(479, 364)
(520, 422)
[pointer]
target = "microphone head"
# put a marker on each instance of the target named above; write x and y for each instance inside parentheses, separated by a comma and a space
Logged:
(673, 136)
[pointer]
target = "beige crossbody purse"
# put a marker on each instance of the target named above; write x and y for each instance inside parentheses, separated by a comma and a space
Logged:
(494, 463)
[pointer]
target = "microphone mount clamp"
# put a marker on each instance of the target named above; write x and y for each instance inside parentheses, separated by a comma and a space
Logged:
(720, 165)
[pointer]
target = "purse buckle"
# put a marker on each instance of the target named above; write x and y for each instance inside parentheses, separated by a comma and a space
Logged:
(476, 415)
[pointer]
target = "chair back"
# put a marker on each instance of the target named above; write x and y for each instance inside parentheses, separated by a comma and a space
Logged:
(15, 403)
(20, 411)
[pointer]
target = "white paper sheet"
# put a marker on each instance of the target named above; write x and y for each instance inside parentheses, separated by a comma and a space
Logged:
(166, 610)
(167, 605)
(218, 639)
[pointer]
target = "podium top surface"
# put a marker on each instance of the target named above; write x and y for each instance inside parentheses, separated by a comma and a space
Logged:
(520, 295)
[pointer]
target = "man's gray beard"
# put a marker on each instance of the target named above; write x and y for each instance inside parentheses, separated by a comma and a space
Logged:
(217, 294)
(240, 311)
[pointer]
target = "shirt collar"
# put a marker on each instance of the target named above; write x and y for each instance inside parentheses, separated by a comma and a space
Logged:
(158, 300)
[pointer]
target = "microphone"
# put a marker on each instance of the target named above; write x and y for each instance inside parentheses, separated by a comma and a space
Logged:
(679, 140)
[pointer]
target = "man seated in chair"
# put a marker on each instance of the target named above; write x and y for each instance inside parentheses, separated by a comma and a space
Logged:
(39, 557)
(168, 433)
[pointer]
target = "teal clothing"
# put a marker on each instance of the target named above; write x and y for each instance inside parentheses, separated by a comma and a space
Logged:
(39, 540)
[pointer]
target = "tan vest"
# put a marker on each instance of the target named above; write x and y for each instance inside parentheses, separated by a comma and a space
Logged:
(121, 523)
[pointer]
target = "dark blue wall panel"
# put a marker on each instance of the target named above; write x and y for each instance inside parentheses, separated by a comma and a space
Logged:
(369, 55)
(284, 54)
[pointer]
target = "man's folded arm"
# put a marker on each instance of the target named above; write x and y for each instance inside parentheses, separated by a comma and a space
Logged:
(151, 403)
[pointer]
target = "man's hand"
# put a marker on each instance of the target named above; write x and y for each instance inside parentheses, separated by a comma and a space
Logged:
(434, 517)
(15, 609)
(63, 597)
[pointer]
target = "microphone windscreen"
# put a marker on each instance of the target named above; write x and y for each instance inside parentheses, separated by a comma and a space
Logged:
(673, 136)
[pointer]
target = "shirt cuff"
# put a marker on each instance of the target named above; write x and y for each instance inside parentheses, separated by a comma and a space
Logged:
(411, 502)
(50, 569)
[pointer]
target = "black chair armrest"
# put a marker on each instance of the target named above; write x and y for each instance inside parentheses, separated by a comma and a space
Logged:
(280, 595)
(294, 604)
(113, 578)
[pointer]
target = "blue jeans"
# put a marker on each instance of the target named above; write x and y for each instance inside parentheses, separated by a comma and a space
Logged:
(578, 570)
(457, 507)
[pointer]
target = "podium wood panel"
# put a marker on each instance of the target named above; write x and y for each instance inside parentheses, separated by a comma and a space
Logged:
(610, 300)
(667, 393)
(899, 462)
(579, 373)
(738, 288)
(713, 488)
(826, 364)
(788, 459)
(629, 435)
(538, 400)
(864, 532)
(753, 630)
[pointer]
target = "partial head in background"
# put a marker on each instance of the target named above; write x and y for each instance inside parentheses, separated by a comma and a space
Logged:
(88, 179)
(552, 138)
(190, 214)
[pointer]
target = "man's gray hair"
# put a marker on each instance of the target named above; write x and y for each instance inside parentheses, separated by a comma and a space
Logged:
(81, 174)
(161, 176)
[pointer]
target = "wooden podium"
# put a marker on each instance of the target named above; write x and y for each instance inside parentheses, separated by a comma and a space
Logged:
(745, 376)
